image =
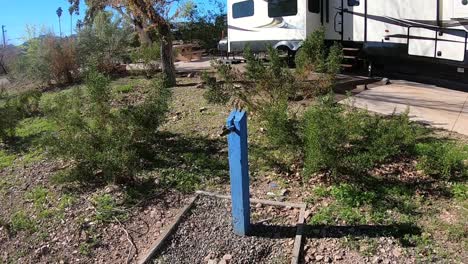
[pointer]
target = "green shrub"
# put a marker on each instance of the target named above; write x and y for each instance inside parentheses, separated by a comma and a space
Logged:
(102, 141)
(352, 141)
(15, 108)
(442, 159)
(311, 55)
(267, 91)
(20, 221)
(460, 191)
(104, 43)
(215, 92)
(47, 60)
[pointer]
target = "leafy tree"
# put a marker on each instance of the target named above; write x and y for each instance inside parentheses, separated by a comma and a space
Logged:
(148, 15)
(104, 43)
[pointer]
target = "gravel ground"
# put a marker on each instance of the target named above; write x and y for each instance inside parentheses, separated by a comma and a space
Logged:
(206, 236)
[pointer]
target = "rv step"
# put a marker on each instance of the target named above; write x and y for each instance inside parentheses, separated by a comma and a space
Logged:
(351, 49)
(349, 57)
(347, 65)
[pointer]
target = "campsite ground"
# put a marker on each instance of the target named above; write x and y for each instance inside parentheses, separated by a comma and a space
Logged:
(43, 221)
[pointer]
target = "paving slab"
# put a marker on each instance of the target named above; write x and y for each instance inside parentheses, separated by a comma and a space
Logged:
(433, 105)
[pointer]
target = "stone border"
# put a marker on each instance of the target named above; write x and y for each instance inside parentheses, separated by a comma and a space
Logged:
(297, 241)
(157, 245)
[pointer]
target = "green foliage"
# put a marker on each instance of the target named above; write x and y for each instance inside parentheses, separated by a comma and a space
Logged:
(352, 141)
(104, 141)
(267, 93)
(15, 108)
(20, 221)
(104, 43)
(107, 209)
(315, 56)
(149, 55)
(215, 92)
(312, 54)
(6, 160)
(46, 59)
(203, 26)
(460, 191)
(442, 159)
(38, 196)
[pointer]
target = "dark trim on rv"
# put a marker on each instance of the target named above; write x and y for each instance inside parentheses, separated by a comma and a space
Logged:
(262, 45)
(365, 21)
(438, 13)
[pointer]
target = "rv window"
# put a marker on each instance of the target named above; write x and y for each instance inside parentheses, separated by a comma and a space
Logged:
(314, 6)
(243, 9)
(280, 8)
(353, 2)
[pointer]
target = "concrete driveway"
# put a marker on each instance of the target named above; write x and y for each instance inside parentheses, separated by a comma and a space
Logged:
(436, 106)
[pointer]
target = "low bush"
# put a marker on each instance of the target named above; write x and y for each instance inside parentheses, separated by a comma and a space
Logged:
(442, 159)
(14, 108)
(47, 60)
(267, 90)
(104, 43)
(352, 141)
(216, 92)
(101, 140)
(312, 54)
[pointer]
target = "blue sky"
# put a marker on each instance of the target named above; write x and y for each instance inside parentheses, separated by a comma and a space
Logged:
(16, 14)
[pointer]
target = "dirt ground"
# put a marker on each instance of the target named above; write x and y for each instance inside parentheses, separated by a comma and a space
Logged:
(60, 224)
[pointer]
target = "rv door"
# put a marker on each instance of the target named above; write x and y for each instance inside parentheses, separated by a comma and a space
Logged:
(332, 19)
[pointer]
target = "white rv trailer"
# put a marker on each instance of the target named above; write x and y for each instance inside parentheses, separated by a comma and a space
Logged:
(421, 30)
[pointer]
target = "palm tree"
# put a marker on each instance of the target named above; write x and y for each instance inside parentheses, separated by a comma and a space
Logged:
(59, 14)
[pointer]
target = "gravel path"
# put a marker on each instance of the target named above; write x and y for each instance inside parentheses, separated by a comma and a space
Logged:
(206, 236)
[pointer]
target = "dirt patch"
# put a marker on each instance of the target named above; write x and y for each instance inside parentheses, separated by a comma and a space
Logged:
(206, 236)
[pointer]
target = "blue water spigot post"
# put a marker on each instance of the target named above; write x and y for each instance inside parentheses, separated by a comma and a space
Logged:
(239, 171)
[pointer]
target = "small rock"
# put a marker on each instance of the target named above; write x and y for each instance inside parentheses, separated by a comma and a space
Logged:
(270, 194)
(44, 250)
(319, 257)
(283, 192)
(227, 257)
(291, 242)
(208, 257)
(191, 75)
(307, 214)
(397, 252)
(376, 260)
(223, 261)
(338, 257)
(328, 260)
(202, 109)
(213, 261)
(258, 205)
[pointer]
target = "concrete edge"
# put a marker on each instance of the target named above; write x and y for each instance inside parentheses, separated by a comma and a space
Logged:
(267, 202)
(298, 240)
(157, 245)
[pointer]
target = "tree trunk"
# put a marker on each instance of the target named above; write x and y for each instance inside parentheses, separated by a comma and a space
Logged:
(144, 37)
(167, 60)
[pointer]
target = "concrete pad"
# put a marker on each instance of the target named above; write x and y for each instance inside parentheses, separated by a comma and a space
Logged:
(439, 107)
(200, 65)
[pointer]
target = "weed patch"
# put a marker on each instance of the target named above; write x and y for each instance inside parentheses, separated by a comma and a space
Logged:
(20, 221)
(346, 141)
(6, 160)
(107, 209)
(442, 159)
